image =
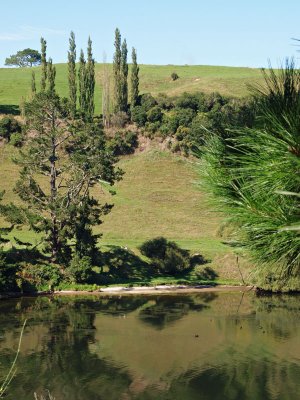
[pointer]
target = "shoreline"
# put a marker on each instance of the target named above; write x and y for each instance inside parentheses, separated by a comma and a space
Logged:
(135, 290)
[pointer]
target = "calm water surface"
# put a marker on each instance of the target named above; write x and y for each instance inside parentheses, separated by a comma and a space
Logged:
(184, 347)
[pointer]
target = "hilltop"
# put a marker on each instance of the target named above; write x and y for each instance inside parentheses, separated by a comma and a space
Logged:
(229, 81)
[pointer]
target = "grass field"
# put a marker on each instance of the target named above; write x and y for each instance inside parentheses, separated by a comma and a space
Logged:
(15, 83)
(159, 196)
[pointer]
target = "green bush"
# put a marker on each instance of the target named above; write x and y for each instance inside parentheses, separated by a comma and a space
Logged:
(154, 114)
(147, 101)
(9, 126)
(139, 116)
(166, 256)
(123, 143)
(174, 76)
(80, 269)
(33, 277)
(16, 139)
(7, 275)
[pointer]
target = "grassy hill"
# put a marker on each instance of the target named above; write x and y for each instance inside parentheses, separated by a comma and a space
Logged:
(15, 82)
(159, 196)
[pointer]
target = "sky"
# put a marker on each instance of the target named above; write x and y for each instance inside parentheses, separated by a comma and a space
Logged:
(200, 32)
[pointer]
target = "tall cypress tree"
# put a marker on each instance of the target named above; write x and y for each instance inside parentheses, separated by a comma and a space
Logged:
(72, 73)
(51, 76)
(44, 64)
(33, 84)
(82, 84)
(90, 83)
(124, 76)
(134, 78)
(117, 71)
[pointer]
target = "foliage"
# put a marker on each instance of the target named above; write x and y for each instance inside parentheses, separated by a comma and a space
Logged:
(80, 269)
(72, 73)
(8, 126)
(123, 143)
(16, 139)
(7, 275)
(134, 78)
(247, 172)
(44, 64)
(33, 277)
(24, 58)
(119, 119)
(117, 71)
(139, 115)
(174, 76)
(124, 75)
(166, 256)
(73, 158)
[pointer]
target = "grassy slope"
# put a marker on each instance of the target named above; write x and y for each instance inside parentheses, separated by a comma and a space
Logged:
(159, 196)
(15, 82)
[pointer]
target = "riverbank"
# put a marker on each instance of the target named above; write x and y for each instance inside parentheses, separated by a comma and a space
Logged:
(136, 290)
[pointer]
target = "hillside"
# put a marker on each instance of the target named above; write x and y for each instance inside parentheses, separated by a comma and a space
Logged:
(159, 196)
(154, 79)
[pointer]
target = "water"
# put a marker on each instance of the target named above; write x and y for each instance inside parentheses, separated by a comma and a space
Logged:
(182, 347)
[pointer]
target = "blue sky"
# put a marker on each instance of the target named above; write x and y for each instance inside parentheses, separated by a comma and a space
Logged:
(233, 32)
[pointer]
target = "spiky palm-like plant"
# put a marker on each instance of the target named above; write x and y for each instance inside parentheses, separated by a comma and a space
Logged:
(248, 173)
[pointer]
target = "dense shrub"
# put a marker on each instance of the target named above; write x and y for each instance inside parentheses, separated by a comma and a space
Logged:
(36, 276)
(80, 269)
(7, 275)
(147, 101)
(154, 114)
(16, 139)
(174, 76)
(139, 116)
(123, 143)
(8, 126)
(119, 119)
(166, 256)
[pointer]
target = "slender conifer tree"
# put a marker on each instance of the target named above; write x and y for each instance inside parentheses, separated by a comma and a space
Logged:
(124, 76)
(33, 84)
(117, 71)
(44, 64)
(90, 83)
(81, 80)
(51, 76)
(72, 73)
(134, 93)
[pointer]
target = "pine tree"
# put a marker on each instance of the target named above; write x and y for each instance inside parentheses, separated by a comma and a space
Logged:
(117, 71)
(72, 74)
(124, 76)
(33, 84)
(134, 93)
(82, 84)
(51, 76)
(44, 64)
(90, 83)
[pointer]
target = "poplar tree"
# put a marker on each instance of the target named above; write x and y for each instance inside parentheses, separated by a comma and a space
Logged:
(117, 71)
(124, 76)
(81, 80)
(51, 76)
(134, 78)
(90, 83)
(72, 74)
(33, 84)
(44, 64)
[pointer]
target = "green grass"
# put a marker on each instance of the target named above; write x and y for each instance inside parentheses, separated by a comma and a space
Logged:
(158, 196)
(15, 83)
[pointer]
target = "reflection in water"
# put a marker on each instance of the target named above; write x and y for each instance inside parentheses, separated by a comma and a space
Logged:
(203, 346)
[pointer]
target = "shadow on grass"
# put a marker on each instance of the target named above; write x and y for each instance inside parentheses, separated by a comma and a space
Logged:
(11, 109)
(121, 265)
